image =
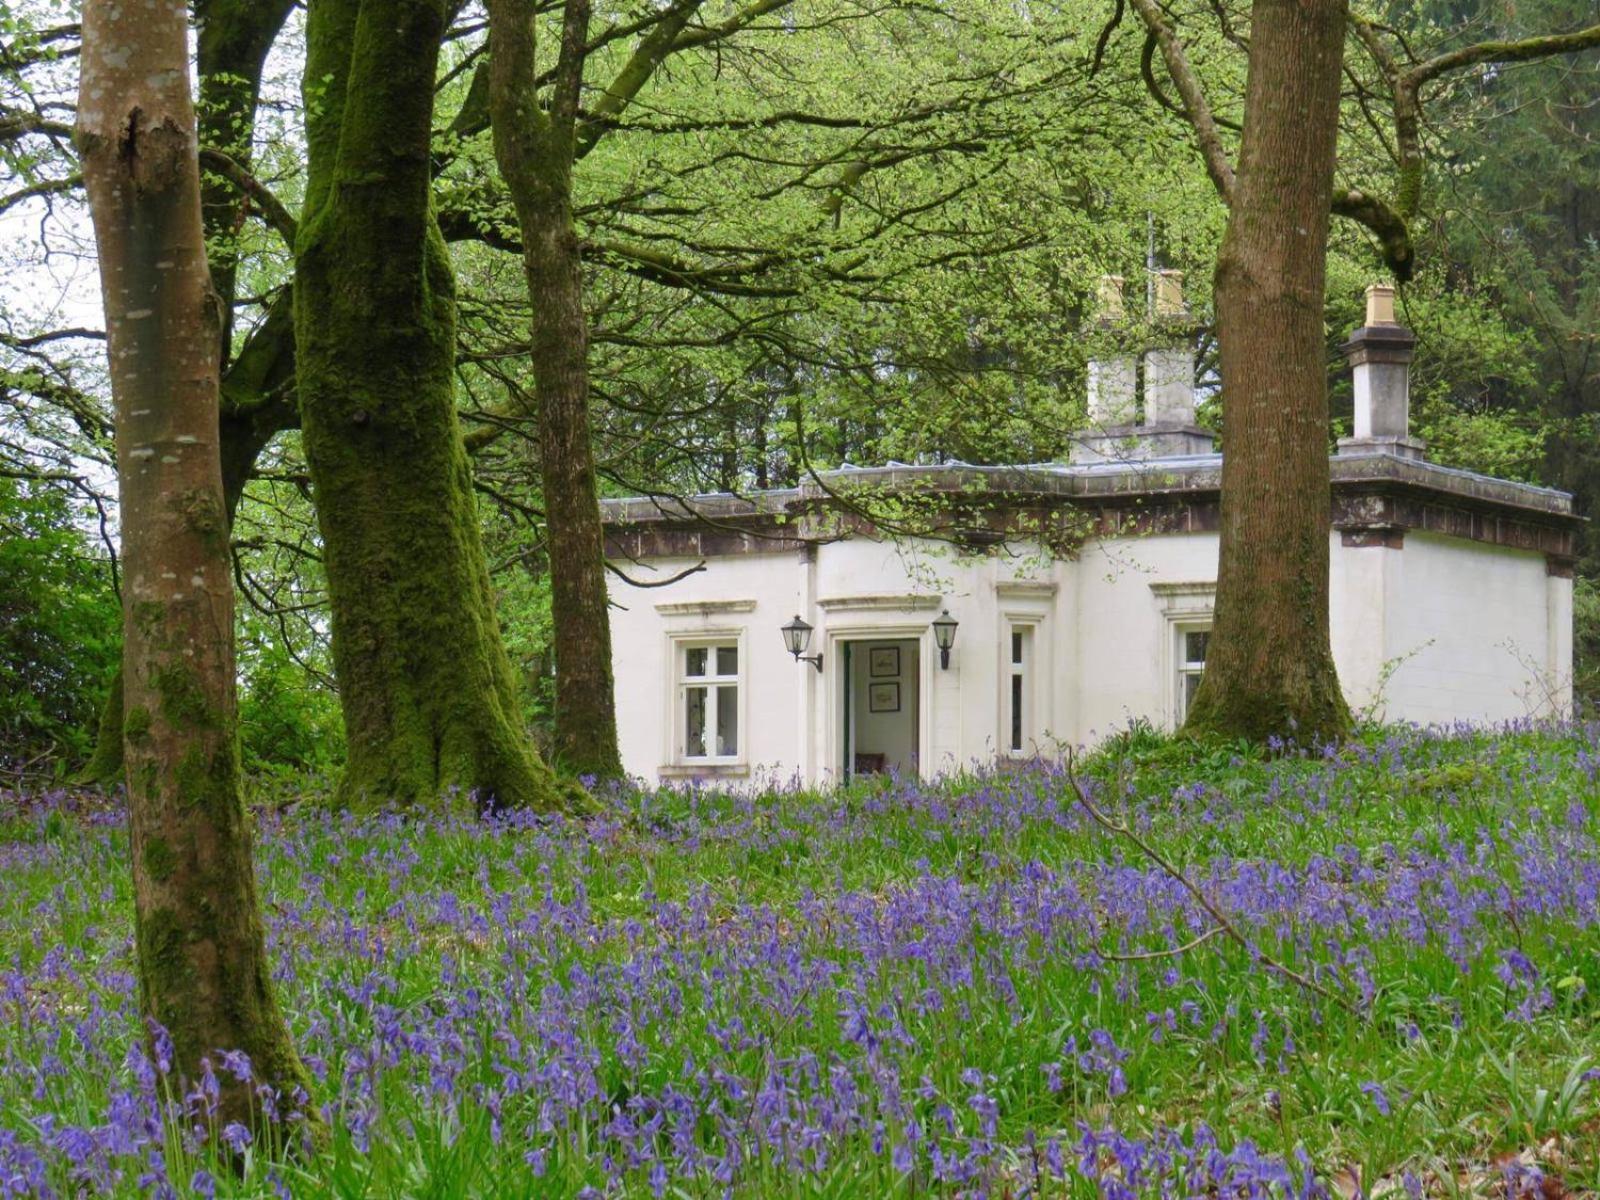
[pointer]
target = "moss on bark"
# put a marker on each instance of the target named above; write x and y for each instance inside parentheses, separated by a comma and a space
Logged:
(104, 767)
(428, 692)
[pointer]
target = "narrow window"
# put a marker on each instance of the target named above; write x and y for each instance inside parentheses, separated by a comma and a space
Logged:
(709, 701)
(1192, 645)
(1019, 694)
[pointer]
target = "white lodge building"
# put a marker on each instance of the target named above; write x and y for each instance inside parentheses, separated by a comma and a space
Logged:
(1451, 594)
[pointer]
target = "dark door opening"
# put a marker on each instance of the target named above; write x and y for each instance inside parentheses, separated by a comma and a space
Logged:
(882, 703)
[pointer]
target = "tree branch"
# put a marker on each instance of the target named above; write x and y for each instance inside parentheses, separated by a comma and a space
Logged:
(1387, 225)
(1124, 830)
(1524, 50)
(271, 208)
(1201, 120)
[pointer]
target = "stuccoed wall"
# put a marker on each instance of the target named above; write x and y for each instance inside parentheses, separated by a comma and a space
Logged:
(1437, 630)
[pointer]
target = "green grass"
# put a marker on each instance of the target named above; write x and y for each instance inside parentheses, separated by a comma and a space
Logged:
(691, 948)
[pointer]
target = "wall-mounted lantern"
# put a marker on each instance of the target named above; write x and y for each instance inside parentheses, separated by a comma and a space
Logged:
(797, 636)
(944, 637)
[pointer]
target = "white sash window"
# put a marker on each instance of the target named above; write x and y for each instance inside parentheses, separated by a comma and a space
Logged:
(708, 701)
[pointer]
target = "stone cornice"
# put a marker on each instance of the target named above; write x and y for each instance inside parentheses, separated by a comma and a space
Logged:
(1372, 492)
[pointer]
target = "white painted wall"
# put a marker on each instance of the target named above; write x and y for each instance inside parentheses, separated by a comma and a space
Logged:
(1462, 630)
(1470, 628)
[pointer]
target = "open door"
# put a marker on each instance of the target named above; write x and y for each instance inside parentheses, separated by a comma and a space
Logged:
(882, 706)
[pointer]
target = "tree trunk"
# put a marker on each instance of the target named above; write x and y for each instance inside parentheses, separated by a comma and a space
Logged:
(201, 952)
(259, 405)
(233, 39)
(428, 693)
(535, 154)
(235, 36)
(1270, 669)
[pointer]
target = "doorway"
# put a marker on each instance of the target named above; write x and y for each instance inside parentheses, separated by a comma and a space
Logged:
(882, 706)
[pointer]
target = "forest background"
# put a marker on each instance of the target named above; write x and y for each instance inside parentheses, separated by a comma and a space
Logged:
(850, 233)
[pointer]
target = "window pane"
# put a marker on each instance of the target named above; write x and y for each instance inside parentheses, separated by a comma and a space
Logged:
(694, 660)
(1016, 646)
(1191, 685)
(1016, 712)
(1194, 645)
(727, 660)
(727, 721)
(694, 722)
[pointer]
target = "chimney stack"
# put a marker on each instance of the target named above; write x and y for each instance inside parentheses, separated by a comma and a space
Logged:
(1169, 370)
(1112, 381)
(1380, 355)
(1117, 434)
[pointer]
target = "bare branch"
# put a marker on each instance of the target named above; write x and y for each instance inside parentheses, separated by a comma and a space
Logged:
(654, 583)
(1123, 830)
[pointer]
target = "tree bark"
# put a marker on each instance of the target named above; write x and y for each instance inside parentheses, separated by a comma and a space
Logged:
(203, 970)
(535, 153)
(233, 39)
(235, 36)
(428, 693)
(258, 404)
(1270, 670)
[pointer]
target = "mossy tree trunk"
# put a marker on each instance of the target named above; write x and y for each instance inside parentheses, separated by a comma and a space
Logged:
(1270, 670)
(428, 693)
(234, 39)
(202, 963)
(232, 42)
(535, 151)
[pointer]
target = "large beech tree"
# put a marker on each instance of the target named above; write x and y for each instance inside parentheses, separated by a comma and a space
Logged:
(429, 696)
(203, 971)
(1270, 670)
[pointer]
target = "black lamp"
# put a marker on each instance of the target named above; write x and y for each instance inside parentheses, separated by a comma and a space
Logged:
(944, 636)
(797, 636)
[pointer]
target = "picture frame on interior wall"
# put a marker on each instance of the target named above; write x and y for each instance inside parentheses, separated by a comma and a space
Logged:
(884, 661)
(883, 697)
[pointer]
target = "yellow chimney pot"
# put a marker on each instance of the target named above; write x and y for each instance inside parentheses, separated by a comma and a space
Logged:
(1169, 293)
(1380, 304)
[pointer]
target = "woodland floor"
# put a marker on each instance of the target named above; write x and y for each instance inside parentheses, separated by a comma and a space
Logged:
(893, 989)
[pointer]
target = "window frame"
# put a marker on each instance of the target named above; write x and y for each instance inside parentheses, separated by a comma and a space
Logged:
(1183, 666)
(1025, 605)
(1186, 606)
(681, 682)
(1026, 723)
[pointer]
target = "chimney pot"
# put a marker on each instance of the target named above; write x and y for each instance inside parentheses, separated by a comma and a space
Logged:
(1380, 304)
(1380, 359)
(1169, 294)
(1108, 299)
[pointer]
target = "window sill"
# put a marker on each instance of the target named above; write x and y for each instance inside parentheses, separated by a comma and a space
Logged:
(704, 770)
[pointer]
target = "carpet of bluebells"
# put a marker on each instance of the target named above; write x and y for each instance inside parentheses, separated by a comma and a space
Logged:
(961, 988)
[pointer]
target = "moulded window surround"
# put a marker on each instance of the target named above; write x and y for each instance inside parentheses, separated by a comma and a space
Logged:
(1185, 609)
(708, 700)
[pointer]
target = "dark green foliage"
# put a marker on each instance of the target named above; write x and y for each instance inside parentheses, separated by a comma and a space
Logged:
(58, 627)
(286, 719)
